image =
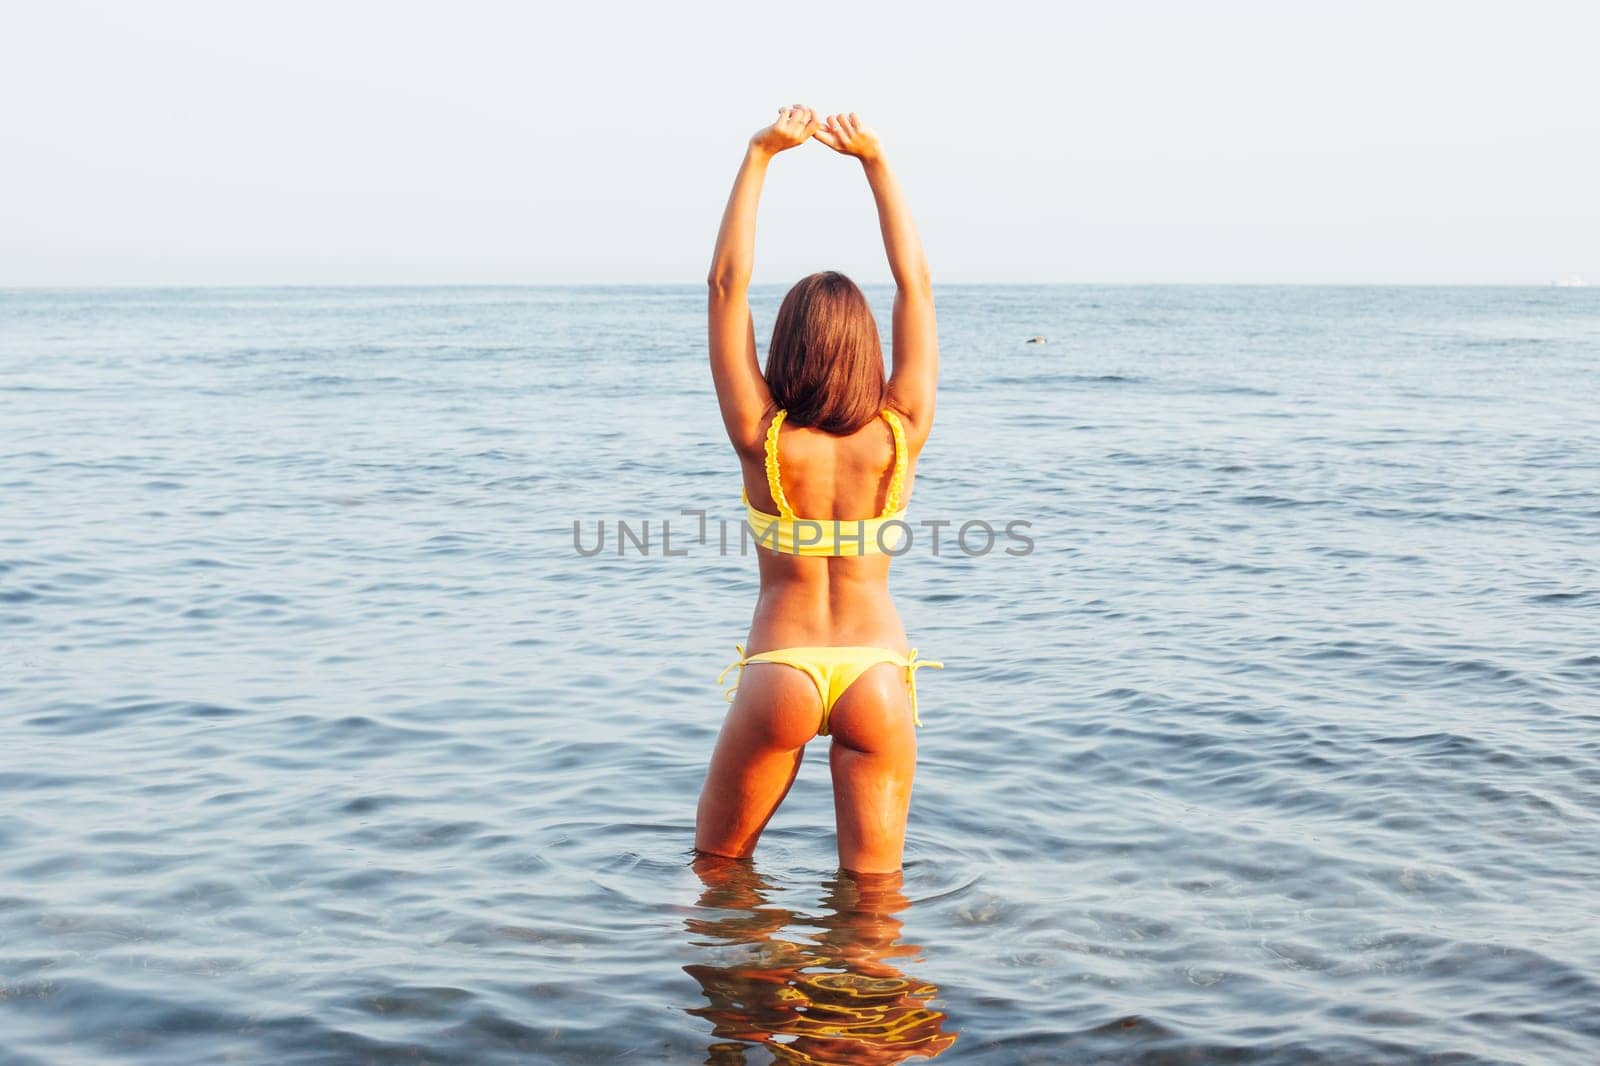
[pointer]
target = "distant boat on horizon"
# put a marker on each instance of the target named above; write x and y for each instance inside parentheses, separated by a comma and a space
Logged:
(1571, 281)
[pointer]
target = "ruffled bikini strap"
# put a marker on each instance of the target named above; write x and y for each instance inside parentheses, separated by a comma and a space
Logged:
(774, 484)
(897, 482)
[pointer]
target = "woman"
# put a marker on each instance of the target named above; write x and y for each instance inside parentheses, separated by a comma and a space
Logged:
(827, 653)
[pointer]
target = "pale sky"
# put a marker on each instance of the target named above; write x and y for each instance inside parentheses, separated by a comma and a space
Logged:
(207, 143)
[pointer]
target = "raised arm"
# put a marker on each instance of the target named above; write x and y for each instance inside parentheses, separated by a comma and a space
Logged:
(915, 376)
(741, 390)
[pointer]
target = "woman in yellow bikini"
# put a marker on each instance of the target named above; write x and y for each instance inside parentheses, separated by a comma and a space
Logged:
(821, 434)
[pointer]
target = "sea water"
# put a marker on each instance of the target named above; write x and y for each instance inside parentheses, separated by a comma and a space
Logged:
(324, 739)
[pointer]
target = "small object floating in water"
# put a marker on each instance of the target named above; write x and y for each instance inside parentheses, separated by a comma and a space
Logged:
(1571, 281)
(1036, 340)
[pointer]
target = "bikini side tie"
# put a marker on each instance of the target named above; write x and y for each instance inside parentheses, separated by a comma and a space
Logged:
(912, 662)
(727, 694)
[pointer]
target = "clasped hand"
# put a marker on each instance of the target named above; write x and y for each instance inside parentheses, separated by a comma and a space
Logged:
(844, 133)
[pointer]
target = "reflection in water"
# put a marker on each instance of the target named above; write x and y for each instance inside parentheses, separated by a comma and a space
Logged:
(826, 996)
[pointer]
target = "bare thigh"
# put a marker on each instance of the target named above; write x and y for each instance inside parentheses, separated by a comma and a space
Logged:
(775, 712)
(873, 759)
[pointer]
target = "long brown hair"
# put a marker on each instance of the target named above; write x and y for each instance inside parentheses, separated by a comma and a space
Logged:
(825, 363)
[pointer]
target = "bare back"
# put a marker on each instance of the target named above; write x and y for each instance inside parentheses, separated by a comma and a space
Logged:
(827, 599)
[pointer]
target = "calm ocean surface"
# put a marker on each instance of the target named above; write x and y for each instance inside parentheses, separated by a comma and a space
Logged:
(321, 743)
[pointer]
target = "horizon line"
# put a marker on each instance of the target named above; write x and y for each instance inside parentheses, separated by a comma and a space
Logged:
(1555, 283)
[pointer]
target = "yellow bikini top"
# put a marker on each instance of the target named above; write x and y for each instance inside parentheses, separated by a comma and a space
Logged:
(789, 534)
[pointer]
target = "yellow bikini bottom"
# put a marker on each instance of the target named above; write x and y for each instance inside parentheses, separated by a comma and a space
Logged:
(833, 669)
